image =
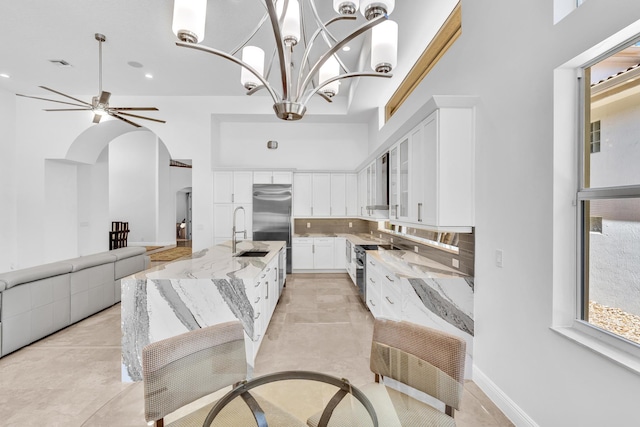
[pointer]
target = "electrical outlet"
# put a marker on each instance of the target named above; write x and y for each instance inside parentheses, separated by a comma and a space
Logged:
(350, 225)
(455, 263)
(391, 240)
(499, 258)
(380, 235)
(415, 249)
(308, 225)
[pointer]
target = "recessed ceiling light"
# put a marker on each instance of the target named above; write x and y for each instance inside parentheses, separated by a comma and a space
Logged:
(346, 48)
(149, 75)
(6, 76)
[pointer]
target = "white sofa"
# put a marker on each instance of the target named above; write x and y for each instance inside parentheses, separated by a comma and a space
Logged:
(40, 300)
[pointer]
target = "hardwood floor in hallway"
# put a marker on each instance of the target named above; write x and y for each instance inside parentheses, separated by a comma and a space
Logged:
(72, 378)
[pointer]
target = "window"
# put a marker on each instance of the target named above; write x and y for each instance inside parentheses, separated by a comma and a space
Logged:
(609, 196)
(595, 137)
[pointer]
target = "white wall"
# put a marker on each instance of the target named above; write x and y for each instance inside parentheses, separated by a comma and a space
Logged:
(301, 145)
(8, 190)
(93, 206)
(140, 189)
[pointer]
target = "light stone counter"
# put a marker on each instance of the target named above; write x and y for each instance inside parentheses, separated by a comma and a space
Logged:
(356, 239)
(206, 288)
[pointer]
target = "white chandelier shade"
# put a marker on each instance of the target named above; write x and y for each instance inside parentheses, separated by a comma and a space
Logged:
(291, 22)
(254, 56)
(189, 17)
(317, 73)
(329, 70)
(384, 46)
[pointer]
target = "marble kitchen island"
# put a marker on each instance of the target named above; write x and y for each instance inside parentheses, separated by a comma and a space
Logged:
(206, 288)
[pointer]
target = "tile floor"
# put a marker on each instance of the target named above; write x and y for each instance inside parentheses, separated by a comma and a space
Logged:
(72, 378)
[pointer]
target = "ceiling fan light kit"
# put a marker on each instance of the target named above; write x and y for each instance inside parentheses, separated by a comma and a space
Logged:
(321, 77)
(99, 105)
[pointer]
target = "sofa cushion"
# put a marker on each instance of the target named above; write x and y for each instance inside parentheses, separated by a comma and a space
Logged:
(87, 261)
(31, 274)
(128, 252)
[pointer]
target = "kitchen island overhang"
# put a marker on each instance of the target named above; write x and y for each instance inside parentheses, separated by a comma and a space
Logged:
(209, 287)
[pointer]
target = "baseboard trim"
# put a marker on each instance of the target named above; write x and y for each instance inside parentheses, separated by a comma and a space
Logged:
(502, 401)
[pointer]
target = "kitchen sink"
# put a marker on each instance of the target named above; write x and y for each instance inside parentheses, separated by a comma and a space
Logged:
(251, 254)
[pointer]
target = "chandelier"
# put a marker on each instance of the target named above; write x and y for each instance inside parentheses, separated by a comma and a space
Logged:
(321, 77)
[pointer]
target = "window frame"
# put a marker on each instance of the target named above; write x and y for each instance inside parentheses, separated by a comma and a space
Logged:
(615, 343)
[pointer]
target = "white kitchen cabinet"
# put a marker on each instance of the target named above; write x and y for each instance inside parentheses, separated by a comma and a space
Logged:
(302, 194)
(233, 187)
(321, 194)
(384, 295)
(373, 282)
(362, 192)
(302, 253)
(448, 161)
(351, 190)
(323, 250)
(339, 253)
(338, 194)
(399, 174)
(272, 177)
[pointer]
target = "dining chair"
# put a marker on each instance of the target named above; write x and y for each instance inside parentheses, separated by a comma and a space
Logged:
(182, 369)
(422, 358)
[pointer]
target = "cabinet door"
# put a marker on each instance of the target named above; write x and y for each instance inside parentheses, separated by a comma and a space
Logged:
(323, 253)
(362, 192)
(302, 194)
(338, 195)
(394, 187)
(243, 187)
(222, 220)
(222, 186)
(403, 181)
(428, 213)
(321, 205)
(351, 183)
(339, 253)
(302, 253)
(416, 189)
(262, 177)
(282, 177)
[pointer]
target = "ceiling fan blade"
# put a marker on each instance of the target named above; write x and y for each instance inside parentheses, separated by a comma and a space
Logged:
(67, 109)
(125, 120)
(134, 109)
(50, 100)
(67, 96)
(142, 117)
(96, 118)
(104, 97)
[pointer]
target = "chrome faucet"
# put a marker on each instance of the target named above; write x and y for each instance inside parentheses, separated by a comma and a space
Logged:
(234, 232)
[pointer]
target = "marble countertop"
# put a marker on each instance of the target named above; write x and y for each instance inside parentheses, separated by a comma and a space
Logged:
(216, 262)
(409, 265)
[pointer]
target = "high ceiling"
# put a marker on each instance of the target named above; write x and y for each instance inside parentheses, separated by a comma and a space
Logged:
(34, 32)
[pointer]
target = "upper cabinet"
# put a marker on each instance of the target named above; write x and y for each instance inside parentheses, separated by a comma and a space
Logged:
(431, 173)
(325, 195)
(272, 177)
(233, 187)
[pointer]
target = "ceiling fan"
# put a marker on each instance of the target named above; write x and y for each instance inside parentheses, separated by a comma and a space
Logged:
(99, 104)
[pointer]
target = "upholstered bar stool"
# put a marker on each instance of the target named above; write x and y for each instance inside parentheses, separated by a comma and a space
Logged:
(425, 359)
(181, 369)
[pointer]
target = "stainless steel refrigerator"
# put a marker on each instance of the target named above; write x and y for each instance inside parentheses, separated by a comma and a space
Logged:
(272, 214)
